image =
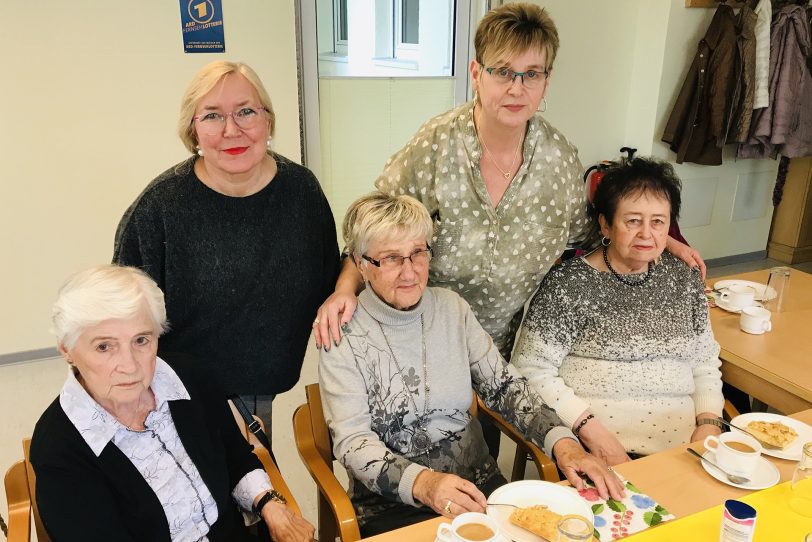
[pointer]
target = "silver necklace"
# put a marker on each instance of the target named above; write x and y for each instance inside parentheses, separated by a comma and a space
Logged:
(421, 441)
(506, 174)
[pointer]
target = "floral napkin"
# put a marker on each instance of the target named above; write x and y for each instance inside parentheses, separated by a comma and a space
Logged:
(619, 519)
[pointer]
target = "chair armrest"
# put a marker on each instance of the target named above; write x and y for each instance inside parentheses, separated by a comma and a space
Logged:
(19, 503)
(329, 486)
(544, 464)
(730, 410)
(277, 481)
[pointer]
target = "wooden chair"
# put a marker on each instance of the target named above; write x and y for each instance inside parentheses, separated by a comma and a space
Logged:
(335, 511)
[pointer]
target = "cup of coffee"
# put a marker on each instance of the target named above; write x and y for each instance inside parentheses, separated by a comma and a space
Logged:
(755, 320)
(738, 296)
(469, 527)
(737, 453)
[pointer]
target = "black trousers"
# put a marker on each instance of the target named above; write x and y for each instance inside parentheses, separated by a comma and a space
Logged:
(403, 514)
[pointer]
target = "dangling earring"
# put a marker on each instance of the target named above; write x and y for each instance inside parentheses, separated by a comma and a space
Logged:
(605, 241)
(270, 140)
(540, 110)
(199, 151)
(476, 97)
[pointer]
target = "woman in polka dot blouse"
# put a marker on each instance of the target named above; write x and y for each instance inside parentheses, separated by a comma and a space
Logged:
(619, 342)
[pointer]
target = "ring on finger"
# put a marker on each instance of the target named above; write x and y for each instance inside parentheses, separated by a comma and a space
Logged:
(316, 322)
(447, 507)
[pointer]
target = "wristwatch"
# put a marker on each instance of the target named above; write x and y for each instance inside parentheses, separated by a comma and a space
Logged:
(710, 421)
(272, 495)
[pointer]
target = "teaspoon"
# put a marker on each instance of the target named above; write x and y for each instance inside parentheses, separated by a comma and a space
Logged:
(740, 480)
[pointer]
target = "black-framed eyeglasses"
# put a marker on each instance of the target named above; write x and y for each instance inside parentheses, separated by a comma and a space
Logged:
(420, 256)
(530, 78)
(246, 118)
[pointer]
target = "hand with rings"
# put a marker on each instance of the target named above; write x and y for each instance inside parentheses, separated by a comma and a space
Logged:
(447, 494)
(316, 322)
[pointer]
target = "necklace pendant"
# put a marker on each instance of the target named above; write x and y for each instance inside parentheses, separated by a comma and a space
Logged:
(421, 442)
(506, 175)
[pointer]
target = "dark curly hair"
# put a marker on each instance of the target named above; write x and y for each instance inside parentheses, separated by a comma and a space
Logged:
(637, 176)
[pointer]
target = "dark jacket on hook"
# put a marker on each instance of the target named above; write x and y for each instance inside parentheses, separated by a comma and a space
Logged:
(699, 122)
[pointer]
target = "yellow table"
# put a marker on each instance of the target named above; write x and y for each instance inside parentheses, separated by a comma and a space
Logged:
(775, 367)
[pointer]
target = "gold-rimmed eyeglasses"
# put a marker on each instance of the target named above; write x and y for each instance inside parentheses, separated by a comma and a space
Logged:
(530, 78)
(420, 256)
(246, 118)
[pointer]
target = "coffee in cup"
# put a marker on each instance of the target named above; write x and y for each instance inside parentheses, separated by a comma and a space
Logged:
(755, 320)
(738, 296)
(736, 453)
(469, 527)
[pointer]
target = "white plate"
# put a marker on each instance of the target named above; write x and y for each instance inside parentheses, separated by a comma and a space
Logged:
(560, 499)
(761, 289)
(795, 450)
(724, 305)
(766, 474)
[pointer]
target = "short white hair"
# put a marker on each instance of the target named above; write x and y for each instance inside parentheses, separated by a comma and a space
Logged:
(381, 217)
(102, 293)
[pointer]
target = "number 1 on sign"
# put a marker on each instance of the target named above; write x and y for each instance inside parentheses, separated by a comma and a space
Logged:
(201, 9)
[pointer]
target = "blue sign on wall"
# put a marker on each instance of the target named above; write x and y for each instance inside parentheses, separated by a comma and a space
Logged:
(202, 26)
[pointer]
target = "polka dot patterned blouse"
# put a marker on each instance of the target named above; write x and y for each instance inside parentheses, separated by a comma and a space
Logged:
(494, 257)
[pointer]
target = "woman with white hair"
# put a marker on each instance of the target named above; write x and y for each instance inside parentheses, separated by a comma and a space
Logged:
(240, 239)
(135, 449)
(397, 389)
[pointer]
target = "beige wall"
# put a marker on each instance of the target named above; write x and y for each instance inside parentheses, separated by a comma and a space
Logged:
(92, 89)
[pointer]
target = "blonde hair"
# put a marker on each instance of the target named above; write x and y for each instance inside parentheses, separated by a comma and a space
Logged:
(102, 293)
(202, 83)
(515, 28)
(379, 216)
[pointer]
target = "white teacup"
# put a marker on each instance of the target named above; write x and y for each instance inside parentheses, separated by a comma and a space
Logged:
(469, 527)
(755, 320)
(736, 453)
(738, 296)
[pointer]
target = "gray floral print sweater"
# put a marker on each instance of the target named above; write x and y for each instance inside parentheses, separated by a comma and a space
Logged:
(379, 413)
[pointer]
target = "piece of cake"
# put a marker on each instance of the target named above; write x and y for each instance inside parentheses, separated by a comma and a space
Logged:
(538, 519)
(773, 433)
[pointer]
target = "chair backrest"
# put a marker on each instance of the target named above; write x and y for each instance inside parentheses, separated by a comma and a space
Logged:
(19, 503)
(335, 511)
(42, 536)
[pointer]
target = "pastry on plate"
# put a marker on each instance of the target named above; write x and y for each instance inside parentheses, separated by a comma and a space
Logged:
(773, 433)
(538, 519)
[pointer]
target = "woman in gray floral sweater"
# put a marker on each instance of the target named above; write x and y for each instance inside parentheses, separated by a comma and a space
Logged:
(397, 390)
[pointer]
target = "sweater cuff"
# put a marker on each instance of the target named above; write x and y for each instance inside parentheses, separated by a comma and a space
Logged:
(407, 483)
(709, 402)
(554, 435)
(571, 410)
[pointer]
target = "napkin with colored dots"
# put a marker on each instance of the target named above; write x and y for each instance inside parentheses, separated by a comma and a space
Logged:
(618, 519)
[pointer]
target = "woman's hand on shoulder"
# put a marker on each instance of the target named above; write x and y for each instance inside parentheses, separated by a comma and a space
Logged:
(574, 461)
(602, 443)
(335, 312)
(687, 254)
(436, 490)
(286, 526)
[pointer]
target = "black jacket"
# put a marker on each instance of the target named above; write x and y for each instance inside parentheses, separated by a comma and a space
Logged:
(87, 498)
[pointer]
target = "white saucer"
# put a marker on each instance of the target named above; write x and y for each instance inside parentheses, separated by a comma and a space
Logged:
(762, 291)
(500, 538)
(794, 451)
(766, 474)
(726, 306)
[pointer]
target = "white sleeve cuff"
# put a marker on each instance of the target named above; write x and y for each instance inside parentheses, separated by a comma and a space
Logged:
(247, 489)
(554, 435)
(407, 484)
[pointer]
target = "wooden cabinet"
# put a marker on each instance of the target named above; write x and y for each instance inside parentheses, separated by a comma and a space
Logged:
(791, 235)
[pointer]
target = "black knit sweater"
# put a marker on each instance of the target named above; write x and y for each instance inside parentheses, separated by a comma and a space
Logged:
(242, 276)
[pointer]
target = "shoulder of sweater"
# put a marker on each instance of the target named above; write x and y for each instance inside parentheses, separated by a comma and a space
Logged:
(166, 185)
(444, 298)
(55, 438)
(552, 135)
(297, 173)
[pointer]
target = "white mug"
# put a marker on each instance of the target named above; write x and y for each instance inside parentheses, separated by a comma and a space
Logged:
(755, 320)
(736, 453)
(456, 530)
(738, 296)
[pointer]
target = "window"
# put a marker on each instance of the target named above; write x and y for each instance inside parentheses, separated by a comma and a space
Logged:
(340, 26)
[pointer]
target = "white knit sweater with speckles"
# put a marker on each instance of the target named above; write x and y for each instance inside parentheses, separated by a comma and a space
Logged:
(641, 358)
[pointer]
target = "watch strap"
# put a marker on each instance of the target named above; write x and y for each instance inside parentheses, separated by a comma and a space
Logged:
(272, 495)
(710, 421)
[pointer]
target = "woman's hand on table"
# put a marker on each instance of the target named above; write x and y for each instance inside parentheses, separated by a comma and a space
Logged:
(574, 461)
(687, 254)
(603, 443)
(706, 429)
(437, 489)
(285, 525)
(336, 311)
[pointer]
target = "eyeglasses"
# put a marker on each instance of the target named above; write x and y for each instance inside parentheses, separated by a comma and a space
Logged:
(246, 118)
(530, 78)
(390, 263)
